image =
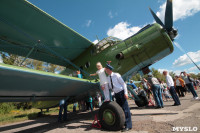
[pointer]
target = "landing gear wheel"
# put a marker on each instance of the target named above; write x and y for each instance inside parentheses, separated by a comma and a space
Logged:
(142, 102)
(111, 116)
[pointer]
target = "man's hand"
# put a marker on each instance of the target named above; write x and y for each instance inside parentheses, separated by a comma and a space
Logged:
(126, 96)
(109, 62)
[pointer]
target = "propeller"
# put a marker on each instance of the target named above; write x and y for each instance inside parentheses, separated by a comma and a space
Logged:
(169, 16)
(168, 26)
(157, 18)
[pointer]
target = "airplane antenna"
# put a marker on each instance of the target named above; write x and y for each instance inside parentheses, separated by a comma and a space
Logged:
(179, 47)
(97, 38)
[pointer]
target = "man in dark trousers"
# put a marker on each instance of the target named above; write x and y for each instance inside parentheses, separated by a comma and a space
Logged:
(170, 85)
(117, 84)
(63, 108)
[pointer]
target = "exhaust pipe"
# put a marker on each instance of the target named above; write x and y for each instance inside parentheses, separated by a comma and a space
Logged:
(133, 50)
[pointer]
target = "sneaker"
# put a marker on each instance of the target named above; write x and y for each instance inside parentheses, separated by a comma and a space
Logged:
(196, 98)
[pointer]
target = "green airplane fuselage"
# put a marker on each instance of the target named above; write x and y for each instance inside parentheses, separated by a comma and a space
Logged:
(20, 36)
(139, 51)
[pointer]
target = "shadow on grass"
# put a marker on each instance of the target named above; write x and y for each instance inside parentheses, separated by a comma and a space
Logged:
(49, 122)
(31, 116)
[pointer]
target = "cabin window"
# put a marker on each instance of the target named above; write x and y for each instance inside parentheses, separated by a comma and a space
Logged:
(87, 64)
(105, 43)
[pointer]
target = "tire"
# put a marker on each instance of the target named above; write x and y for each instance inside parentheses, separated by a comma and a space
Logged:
(142, 102)
(111, 116)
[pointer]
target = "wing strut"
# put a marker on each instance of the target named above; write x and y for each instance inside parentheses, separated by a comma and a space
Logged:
(38, 44)
(29, 53)
(63, 58)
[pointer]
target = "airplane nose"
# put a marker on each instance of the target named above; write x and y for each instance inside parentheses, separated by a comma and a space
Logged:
(132, 50)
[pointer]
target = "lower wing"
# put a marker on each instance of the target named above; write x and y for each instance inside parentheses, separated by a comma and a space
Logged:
(25, 85)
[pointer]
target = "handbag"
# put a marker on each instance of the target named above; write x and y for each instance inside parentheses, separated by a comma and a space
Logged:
(190, 79)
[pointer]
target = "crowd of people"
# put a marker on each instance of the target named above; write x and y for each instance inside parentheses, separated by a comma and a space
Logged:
(172, 89)
(114, 88)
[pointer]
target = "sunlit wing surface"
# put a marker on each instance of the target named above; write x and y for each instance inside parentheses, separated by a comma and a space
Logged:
(21, 26)
(21, 84)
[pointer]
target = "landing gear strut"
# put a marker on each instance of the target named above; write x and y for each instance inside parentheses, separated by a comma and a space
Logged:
(40, 113)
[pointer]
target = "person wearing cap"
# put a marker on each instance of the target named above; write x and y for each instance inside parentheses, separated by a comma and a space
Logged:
(117, 84)
(146, 87)
(155, 86)
(133, 85)
(170, 85)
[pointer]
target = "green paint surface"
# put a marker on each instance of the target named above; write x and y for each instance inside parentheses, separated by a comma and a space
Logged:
(142, 49)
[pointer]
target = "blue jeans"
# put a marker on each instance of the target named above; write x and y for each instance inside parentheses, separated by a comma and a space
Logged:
(121, 100)
(63, 116)
(157, 95)
(174, 95)
(191, 88)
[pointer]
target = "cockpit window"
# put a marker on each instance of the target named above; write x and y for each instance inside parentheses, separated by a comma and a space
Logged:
(105, 43)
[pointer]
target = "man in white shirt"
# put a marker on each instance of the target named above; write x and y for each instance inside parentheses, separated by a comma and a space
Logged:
(170, 84)
(117, 84)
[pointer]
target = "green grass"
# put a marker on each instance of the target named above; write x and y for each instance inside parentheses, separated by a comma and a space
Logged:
(21, 115)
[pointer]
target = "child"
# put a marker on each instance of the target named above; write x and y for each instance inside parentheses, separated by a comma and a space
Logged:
(166, 94)
(79, 75)
(103, 80)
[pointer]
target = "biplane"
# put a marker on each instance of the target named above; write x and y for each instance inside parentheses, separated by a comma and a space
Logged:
(27, 31)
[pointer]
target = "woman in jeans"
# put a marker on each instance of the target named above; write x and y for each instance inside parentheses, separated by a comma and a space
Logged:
(155, 86)
(189, 84)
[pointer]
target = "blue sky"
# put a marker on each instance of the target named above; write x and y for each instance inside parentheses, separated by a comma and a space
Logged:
(124, 18)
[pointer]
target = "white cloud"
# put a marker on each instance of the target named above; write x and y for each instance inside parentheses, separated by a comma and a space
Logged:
(184, 60)
(191, 69)
(181, 9)
(161, 70)
(88, 23)
(122, 30)
(177, 72)
(95, 41)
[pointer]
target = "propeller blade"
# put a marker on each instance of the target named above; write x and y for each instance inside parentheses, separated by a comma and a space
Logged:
(169, 16)
(156, 18)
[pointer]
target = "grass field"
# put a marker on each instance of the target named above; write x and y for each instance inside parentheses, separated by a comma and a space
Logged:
(21, 115)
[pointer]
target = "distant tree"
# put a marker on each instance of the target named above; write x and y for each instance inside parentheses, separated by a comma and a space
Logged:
(194, 76)
(136, 77)
(172, 74)
(53, 68)
(157, 74)
(198, 75)
(16, 60)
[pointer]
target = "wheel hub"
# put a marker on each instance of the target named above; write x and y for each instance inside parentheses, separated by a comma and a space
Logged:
(109, 117)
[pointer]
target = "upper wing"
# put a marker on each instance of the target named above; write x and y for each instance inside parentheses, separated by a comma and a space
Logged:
(23, 84)
(21, 26)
